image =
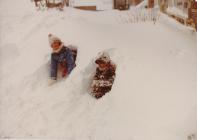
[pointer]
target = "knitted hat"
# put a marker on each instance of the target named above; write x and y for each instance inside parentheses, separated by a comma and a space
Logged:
(53, 38)
(104, 58)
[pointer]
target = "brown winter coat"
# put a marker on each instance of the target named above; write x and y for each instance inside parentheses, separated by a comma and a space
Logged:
(103, 80)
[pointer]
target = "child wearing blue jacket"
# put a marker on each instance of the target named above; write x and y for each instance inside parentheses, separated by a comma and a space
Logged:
(62, 58)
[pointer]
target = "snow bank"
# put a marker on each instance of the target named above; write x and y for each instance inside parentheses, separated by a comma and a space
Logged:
(153, 97)
(177, 12)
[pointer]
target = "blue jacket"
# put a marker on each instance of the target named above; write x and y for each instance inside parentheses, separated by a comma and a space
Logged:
(63, 57)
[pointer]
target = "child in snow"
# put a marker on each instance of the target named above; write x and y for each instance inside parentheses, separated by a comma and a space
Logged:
(62, 58)
(104, 77)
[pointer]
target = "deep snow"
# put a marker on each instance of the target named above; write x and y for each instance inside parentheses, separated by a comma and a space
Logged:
(154, 94)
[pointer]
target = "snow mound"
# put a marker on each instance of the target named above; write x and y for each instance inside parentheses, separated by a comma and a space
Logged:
(153, 97)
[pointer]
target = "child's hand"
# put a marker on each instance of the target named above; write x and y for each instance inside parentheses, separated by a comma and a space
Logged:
(51, 82)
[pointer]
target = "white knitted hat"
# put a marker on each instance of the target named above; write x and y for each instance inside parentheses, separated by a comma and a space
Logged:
(53, 38)
(104, 57)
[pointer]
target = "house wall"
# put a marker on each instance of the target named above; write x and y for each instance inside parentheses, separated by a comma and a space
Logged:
(192, 12)
(150, 3)
(100, 4)
(92, 8)
(121, 4)
(134, 2)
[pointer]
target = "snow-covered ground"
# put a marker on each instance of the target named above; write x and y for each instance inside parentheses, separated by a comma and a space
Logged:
(154, 94)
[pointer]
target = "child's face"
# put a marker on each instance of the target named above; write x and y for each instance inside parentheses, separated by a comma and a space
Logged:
(103, 65)
(56, 45)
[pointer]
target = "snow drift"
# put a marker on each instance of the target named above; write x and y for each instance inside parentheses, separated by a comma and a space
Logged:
(153, 97)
